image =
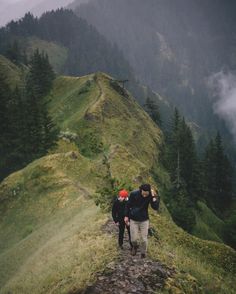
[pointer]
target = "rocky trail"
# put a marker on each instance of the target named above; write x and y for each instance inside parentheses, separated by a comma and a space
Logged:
(130, 274)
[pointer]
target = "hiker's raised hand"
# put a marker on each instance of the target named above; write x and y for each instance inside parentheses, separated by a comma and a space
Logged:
(154, 193)
(126, 220)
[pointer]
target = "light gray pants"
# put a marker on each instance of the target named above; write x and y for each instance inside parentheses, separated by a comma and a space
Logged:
(135, 228)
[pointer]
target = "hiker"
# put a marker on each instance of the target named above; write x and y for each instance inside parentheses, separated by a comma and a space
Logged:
(118, 214)
(136, 215)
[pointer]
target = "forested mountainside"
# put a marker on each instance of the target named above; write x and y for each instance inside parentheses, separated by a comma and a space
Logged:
(174, 47)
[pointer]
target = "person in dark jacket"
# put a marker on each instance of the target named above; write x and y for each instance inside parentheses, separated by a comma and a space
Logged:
(136, 214)
(118, 214)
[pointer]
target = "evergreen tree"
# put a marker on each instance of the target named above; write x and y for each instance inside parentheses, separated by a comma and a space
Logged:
(27, 130)
(182, 161)
(182, 164)
(152, 109)
(172, 142)
(13, 52)
(41, 131)
(15, 157)
(5, 94)
(181, 208)
(217, 176)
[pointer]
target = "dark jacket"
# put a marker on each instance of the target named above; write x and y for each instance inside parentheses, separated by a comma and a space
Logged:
(118, 210)
(137, 206)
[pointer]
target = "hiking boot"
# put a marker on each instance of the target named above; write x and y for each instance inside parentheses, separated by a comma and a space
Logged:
(143, 255)
(133, 250)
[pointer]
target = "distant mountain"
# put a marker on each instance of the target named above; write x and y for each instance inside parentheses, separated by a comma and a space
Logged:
(74, 48)
(173, 46)
(86, 50)
(15, 9)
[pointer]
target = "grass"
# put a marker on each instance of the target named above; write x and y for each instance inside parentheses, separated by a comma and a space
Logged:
(51, 238)
(206, 266)
(62, 255)
(50, 229)
(208, 225)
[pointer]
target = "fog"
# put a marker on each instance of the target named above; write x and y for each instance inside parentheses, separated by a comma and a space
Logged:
(223, 86)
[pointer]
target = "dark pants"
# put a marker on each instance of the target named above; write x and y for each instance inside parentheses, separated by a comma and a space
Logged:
(122, 226)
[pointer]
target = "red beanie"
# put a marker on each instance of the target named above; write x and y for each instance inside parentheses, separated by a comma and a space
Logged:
(123, 194)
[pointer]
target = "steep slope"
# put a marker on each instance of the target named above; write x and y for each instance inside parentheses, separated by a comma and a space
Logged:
(51, 238)
(48, 220)
(114, 123)
(173, 47)
(51, 233)
(208, 225)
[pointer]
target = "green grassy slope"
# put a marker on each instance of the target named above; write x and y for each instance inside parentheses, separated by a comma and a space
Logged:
(107, 122)
(50, 228)
(208, 225)
(50, 231)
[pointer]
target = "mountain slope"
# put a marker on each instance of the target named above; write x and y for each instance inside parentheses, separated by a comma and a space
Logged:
(74, 48)
(173, 47)
(51, 231)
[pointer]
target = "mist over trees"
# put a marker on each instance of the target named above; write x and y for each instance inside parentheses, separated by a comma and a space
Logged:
(88, 50)
(173, 47)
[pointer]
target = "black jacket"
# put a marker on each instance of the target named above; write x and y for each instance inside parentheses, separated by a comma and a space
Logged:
(118, 210)
(137, 206)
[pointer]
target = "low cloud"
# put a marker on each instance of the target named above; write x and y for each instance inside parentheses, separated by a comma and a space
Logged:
(224, 90)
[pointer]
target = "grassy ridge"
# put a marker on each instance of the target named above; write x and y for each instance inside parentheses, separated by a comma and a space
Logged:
(50, 229)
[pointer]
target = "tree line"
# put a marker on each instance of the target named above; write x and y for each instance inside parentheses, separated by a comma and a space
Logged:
(207, 177)
(27, 130)
(87, 50)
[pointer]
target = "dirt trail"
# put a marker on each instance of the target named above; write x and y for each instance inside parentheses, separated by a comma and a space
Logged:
(130, 274)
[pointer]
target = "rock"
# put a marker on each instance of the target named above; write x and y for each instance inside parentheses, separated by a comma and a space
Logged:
(72, 155)
(130, 274)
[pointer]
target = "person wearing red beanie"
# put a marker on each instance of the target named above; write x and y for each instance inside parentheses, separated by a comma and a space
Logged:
(118, 213)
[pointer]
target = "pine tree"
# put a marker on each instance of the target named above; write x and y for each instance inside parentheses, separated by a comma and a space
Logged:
(5, 94)
(41, 132)
(181, 208)
(173, 152)
(217, 172)
(13, 52)
(182, 163)
(152, 109)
